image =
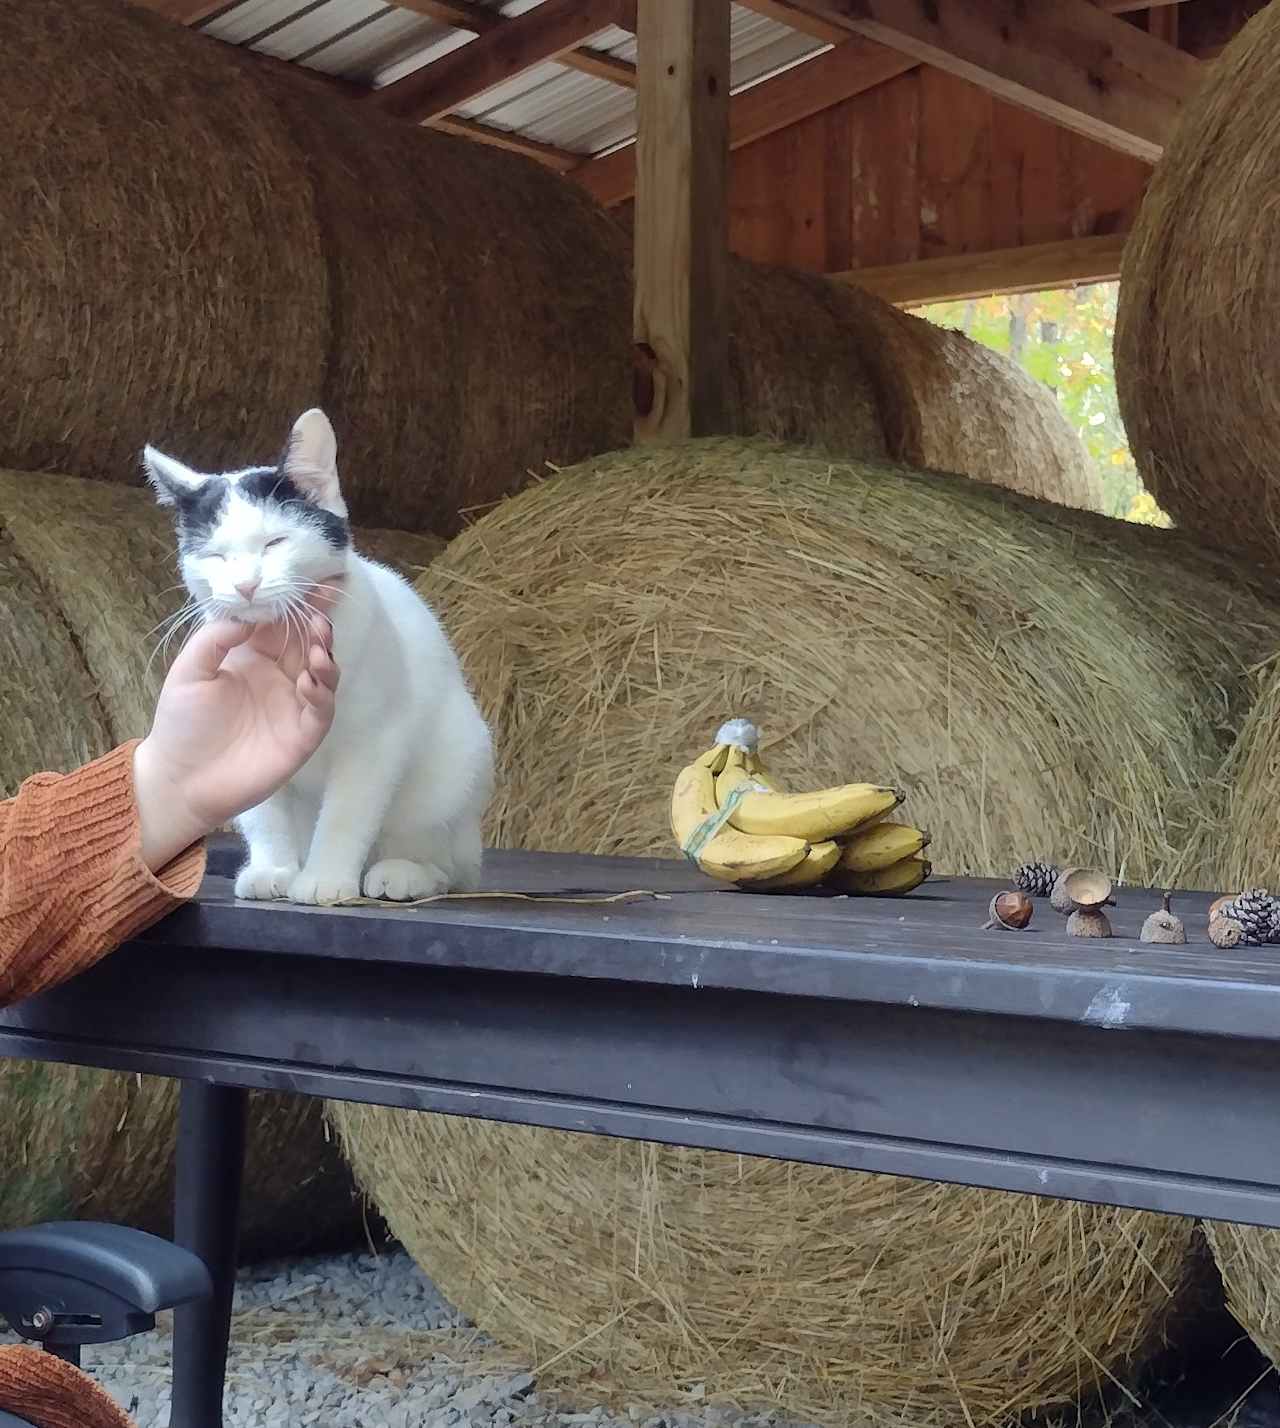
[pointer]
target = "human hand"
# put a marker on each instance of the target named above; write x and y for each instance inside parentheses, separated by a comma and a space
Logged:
(242, 709)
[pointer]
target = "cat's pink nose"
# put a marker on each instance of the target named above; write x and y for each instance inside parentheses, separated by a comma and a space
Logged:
(248, 588)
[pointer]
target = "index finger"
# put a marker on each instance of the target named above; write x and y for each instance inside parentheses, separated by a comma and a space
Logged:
(202, 655)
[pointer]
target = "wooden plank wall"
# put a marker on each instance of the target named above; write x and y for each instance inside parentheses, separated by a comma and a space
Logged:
(923, 166)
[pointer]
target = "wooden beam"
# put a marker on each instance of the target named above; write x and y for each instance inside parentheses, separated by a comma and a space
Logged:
(797, 16)
(681, 219)
(1065, 59)
(793, 15)
(467, 15)
(1127, 7)
(1163, 24)
(805, 89)
(546, 32)
(601, 66)
(1008, 270)
(562, 160)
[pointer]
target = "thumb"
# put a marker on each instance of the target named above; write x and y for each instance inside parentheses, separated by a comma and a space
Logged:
(201, 657)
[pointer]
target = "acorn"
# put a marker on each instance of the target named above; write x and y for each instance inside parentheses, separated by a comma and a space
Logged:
(1088, 922)
(1163, 926)
(1225, 932)
(1081, 888)
(1010, 911)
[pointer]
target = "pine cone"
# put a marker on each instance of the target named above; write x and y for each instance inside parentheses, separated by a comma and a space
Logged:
(1258, 914)
(1035, 879)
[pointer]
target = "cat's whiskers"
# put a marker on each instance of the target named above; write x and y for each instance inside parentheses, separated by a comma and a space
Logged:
(170, 627)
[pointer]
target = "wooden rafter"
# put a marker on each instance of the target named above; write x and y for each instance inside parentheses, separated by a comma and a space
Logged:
(681, 228)
(806, 89)
(1065, 59)
(549, 154)
(467, 15)
(1127, 7)
(1007, 270)
(547, 32)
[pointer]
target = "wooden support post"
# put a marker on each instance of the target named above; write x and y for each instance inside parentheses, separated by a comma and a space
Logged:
(681, 219)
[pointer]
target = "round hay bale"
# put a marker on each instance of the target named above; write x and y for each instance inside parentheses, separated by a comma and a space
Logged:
(87, 574)
(1037, 678)
(163, 279)
(479, 312)
(253, 246)
(406, 553)
(1239, 843)
(798, 371)
(1197, 369)
(1239, 847)
(1248, 1260)
(638, 1271)
(950, 404)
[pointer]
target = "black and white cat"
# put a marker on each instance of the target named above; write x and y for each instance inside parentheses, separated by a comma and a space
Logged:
(391, 803)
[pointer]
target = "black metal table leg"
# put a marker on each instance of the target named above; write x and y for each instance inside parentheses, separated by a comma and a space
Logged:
(211, 1131)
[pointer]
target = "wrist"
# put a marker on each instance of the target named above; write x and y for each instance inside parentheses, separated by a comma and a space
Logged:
(167, 824)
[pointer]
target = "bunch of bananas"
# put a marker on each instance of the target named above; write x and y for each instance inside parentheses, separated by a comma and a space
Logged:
(730, 818)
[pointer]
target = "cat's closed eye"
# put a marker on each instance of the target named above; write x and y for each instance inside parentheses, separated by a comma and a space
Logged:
(277, 540)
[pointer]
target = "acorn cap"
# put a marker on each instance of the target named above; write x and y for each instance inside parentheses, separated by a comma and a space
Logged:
(1087, 887)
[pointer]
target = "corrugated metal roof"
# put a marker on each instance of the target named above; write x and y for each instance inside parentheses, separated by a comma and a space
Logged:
(373, 43)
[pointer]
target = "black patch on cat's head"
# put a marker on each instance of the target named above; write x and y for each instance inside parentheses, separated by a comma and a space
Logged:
(269, 486)
(199, 509)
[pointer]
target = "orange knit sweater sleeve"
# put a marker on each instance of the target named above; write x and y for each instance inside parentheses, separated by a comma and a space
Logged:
(49, 1393)
(72, 881)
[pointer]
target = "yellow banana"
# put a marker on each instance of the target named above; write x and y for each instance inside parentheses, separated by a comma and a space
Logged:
(727, 854)
(816, 864)
(755, 767)
(714, 758)
(824, 813)
(880, 846)
(901, 877)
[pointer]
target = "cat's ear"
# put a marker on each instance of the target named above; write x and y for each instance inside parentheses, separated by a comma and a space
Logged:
(170, 479)
(311, 461)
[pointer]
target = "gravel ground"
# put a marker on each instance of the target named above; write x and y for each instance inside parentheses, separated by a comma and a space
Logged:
(360, 1341)
(366, 1341)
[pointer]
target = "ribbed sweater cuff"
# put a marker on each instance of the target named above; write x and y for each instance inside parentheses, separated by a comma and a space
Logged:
(76, 885)
(51, 1394)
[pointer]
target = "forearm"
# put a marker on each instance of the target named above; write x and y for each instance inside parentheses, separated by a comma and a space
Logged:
(73, 881)
(165, 824)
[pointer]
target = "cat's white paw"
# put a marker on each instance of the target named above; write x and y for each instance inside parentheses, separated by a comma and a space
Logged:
(263, 884)
(399, 880)
(323, 889)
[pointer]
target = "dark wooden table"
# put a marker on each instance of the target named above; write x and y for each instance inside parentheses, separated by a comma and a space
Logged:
(874, 1034)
